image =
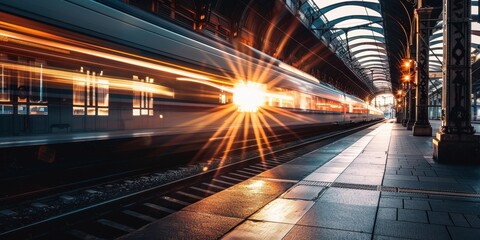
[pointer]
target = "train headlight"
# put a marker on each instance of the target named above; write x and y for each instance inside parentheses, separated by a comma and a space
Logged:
(249, 96)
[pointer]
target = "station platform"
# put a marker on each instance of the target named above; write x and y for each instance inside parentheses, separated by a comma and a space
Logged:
(379, 183)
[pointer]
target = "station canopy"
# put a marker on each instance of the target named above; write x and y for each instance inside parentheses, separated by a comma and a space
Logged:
(354, 31)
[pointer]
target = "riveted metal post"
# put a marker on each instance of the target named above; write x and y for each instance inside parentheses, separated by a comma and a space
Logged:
(411, 106)
(422, 126)
(455, 141)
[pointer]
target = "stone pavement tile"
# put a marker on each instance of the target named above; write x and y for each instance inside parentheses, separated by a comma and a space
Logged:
(410, 230)
(364, 171)
(322, 177)
(259, 230)
(186, 225)
(342, 159)
(355, 179)
(308, 233)
(303, 192)
(473, 220)
(289, 171)
(391, 202)
(437, 179)
(460, 233)
(340, 216)
(326, 169)
(401, 177)
(350, 196)
(317, 160)
(409, 215)
(283, 211)
(441, 218)
(338, 164)
(416, 204)
(387, 213)
(456, 206)
(378, 237)
(404, 171)
(241, 200)
(459, 220)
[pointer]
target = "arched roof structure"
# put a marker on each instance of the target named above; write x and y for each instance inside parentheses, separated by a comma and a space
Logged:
(354, 31)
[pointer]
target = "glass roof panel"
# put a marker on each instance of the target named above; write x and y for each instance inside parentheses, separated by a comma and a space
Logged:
(350, 10)
(370, 52)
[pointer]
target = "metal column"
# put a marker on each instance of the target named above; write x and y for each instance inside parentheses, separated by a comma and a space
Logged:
(422, 126)
(455, 141)
(411, 106)
(405, 108)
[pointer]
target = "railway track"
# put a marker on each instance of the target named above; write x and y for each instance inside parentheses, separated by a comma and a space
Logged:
(113, 209)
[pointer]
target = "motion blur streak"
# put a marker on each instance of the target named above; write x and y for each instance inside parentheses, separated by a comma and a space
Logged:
(154, 66)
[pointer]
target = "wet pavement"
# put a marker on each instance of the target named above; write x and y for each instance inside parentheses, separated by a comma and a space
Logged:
(380, 183)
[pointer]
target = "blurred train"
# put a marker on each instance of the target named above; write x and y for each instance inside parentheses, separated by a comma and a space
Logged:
(81, 66)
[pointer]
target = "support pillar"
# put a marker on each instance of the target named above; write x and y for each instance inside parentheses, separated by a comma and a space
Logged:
(422, 126)
(411, 107)
(405, 109)
(455, 141)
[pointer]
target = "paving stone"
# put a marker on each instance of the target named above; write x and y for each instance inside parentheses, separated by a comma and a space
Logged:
(259, 230)
(459, 220)
(416, 204)
(379, 237)
(391, 202)
(241, 200)
(303, 192)
(456, 206)
(322, 177)
(437, 179)
(186, 225)
(387, 213)
(418, 173)
(350, 196)
(441, 218)
(340, 216)
(355, 179)
(289, 171)
(407, 172)
(473, 220)
(410, 215)
(283, 211)
(410, 230)
(401, 177)
(460, 233)
(307, 233)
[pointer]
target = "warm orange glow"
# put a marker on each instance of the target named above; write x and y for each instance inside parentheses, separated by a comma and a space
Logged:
(406, 78)
(248, 96)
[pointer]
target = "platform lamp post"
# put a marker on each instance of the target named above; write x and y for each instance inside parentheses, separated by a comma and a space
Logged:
(399, 105)
(405, 104)
(408, 71)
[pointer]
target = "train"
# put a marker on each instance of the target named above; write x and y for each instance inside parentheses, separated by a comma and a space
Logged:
(74, 67)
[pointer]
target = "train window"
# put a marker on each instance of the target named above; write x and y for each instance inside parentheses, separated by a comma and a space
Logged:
(6, 109)
(142, 99)
(22, 109)
(38, 110)
(4, 90)
(90, 93)
(4, 84)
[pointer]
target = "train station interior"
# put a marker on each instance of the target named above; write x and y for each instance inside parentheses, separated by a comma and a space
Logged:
(240, 119)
